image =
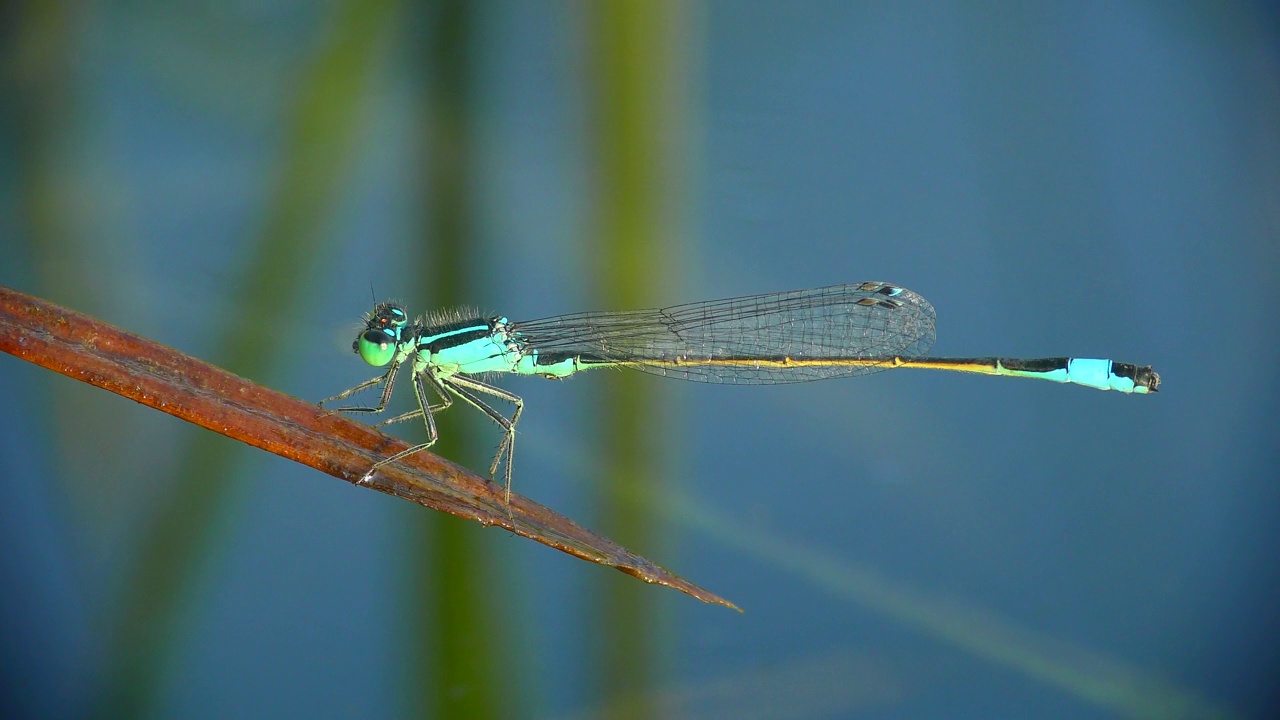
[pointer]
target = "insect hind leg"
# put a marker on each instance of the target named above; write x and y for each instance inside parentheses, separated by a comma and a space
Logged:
(466, 388)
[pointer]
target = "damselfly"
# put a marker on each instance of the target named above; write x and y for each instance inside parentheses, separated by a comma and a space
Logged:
(837, 331)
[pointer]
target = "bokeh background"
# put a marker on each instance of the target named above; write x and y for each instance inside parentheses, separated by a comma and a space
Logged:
(234, 179)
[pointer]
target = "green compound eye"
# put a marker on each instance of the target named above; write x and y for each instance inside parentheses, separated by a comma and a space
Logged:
(376, 348)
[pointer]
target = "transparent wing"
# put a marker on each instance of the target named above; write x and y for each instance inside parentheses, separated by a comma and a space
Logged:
(754, 340)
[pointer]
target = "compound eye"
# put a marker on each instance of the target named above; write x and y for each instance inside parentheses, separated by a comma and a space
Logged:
(375, 347)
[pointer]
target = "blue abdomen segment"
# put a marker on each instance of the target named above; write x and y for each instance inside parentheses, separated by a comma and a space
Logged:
(552, 365)
(1100, 374)
(561, 368)
(1097, 374)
